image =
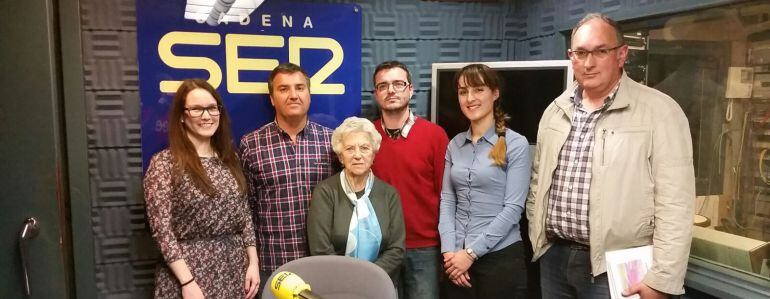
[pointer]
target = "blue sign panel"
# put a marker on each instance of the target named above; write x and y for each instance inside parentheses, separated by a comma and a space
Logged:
(235, 45)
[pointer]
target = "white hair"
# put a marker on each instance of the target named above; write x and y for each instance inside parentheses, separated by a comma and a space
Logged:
(355, 125)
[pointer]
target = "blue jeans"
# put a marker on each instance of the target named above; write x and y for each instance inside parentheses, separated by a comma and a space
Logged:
(420, 273)
(565, 272)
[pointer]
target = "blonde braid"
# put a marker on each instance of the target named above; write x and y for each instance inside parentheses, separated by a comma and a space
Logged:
(498, 153)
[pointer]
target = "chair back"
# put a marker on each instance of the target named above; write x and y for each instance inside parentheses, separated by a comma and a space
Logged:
(338, 277)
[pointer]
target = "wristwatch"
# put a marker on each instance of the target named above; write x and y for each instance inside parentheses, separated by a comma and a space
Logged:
(470, 252)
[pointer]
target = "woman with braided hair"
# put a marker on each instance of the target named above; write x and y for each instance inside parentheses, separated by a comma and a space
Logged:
(486, 180)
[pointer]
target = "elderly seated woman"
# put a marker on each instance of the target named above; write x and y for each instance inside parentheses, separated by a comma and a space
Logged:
(353, 213)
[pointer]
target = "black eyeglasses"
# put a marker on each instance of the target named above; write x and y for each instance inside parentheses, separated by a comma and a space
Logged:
(398, 86)
(598, 53)
(198, 111)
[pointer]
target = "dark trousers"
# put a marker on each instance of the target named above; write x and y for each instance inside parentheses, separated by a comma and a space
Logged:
(565, 272)
(498, 274)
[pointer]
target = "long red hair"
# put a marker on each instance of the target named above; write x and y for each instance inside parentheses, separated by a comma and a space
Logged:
(182, 150)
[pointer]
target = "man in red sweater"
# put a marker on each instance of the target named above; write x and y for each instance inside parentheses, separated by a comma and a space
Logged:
(411, 158)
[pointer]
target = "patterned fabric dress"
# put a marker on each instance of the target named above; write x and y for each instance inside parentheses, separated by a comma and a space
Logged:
(209, 233)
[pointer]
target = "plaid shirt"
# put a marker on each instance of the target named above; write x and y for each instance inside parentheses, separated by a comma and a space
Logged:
(567, 216)
(281, 176)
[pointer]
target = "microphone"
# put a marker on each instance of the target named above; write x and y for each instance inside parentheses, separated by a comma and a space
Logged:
(287, 285)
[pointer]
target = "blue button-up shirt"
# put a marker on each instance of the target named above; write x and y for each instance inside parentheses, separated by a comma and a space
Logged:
(482, 203)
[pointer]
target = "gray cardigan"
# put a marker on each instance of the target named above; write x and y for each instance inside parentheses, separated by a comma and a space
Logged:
(329, 219)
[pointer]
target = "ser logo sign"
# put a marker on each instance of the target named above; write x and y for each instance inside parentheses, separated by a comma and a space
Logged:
(226, 11)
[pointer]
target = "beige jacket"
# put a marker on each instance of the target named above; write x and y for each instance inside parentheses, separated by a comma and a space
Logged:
(643, 182)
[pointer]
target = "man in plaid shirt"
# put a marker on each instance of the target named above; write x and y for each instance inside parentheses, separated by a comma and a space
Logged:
(283, 161)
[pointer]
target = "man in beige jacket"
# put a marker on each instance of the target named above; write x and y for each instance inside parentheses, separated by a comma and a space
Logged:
(613, 169)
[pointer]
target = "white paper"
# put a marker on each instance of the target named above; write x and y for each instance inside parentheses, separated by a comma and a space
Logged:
(626, 267)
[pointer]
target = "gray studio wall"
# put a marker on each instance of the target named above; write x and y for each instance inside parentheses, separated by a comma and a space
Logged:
(416, 32)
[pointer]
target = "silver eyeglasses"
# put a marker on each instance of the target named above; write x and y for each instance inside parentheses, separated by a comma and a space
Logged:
(398, 86)
(198, 111)
(598, 53)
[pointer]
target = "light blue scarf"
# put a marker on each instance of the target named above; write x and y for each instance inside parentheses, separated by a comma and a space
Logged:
(364, 233)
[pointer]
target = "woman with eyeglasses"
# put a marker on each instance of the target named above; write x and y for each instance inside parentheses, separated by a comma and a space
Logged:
(196, 203)
(353, 213)
(486, 179)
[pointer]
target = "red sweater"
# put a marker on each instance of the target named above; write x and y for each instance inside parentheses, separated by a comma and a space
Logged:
(415, 167)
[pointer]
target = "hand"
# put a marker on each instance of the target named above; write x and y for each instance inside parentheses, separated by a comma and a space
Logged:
(463, 280)
(644, 291)
(447, 256)
(252, 281)
(192, 291)
(456, 264)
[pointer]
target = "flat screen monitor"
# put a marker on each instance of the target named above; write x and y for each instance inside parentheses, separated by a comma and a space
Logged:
(527, 88)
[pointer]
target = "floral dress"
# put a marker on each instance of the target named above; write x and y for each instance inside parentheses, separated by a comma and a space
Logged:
(209, 232)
